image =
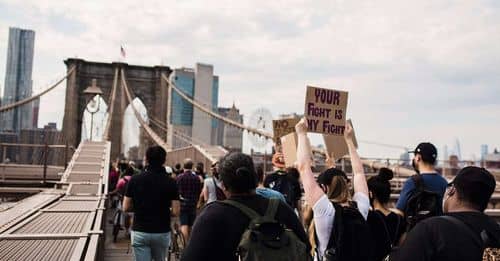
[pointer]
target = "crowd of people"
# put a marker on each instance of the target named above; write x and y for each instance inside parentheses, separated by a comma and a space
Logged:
(238, 212)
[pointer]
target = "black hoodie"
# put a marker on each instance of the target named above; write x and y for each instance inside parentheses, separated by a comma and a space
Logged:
(438, 238)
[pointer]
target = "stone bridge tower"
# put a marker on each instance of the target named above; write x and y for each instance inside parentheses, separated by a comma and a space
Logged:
(143, 82)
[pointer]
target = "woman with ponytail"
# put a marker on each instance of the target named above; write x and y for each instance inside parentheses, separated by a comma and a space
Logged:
(386, 226)
(219, 227)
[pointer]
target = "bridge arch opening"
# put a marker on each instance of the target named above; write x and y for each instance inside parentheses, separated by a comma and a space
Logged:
(134, 138)
(94, 119)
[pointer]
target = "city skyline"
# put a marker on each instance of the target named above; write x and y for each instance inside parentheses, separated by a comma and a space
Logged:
(414, 71)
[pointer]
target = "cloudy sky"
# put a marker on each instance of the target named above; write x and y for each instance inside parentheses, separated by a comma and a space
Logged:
(415, 70)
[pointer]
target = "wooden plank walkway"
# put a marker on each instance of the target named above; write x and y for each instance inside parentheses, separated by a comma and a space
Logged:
(67, 226)
(119, 251)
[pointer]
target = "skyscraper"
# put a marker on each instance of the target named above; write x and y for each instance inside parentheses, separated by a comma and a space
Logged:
(201, 84)
(484, 151)
(18, 82)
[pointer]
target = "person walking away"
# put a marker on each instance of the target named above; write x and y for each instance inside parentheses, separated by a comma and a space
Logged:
(266, 192)
(151, 195)
(189, 190)
(339, 230)
(113, 178)
(125, 219)
(284, 183)
(386, 226)
(212, 190)
(200, 171)
(464, 232)
(422, 194)
(245, 213)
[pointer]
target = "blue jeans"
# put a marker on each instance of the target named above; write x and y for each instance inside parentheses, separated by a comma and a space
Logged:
(150, 246)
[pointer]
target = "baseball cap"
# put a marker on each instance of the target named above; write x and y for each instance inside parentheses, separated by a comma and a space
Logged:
(427, 151)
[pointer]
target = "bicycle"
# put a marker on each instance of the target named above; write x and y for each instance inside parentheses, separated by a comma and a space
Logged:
(177, 244)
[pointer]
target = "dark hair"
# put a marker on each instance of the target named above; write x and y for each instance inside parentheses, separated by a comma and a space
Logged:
(188, 164)
(156, 156)
(337, 182)
(237, 173)
(200, 167)
(129, 171)
(177, 166)
(475, 193)
(379, 185)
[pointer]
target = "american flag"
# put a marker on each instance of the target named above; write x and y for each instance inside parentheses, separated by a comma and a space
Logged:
(122, 51)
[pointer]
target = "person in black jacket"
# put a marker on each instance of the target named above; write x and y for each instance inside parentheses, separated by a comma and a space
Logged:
(464, 231)
(218, 229)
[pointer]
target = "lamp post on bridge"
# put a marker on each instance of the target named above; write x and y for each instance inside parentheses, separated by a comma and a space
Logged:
(90, 93)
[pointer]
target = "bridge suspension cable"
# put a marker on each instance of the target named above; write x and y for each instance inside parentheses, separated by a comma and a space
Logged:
(105, 135)
(216, 115)
(178, 133)
(138, 116)
(32, 98)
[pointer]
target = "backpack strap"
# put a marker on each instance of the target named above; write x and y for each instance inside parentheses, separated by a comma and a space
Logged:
(250, 213)
(272, 208)
(418, 181)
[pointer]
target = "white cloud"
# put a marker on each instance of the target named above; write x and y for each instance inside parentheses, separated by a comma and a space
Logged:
(415, 69)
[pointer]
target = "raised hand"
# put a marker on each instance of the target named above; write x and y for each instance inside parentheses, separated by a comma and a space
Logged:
(301, 127)
(348, 132)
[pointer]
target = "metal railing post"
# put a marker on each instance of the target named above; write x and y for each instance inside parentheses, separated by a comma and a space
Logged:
(45, 161)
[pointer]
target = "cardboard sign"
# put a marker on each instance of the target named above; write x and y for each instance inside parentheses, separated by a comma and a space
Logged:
(289, 148)
(325, 110)
(283, 127)
(336, 146)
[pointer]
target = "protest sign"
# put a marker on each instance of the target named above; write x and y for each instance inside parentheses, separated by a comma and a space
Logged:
(289, 148)
(336, 146)
(283, 127)
(325, 110)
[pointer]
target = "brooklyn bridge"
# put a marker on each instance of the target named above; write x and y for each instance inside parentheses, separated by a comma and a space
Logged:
(65, 209)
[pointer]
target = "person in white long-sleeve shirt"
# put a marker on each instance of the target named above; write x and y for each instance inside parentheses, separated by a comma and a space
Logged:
(333, 187)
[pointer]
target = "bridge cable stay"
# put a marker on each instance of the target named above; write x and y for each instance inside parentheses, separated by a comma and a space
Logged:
(216, 115)
(139, 118)
(105, 135)
(32, 98)
(176, 132)
(180, 134)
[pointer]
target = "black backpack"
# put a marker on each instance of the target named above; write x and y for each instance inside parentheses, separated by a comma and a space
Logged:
(350, 239)
(284, 185)
(266, 239)
(421, 204)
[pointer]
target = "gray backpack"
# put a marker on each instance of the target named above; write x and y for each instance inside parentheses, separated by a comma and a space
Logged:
(267, 239)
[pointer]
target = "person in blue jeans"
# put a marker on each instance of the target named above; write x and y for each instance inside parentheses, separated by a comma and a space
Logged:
(150, 196)
(423, 162)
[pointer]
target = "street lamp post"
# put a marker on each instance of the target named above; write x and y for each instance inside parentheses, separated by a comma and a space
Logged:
(90, 93)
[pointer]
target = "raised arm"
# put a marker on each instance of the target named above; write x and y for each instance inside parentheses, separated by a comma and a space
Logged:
(312, 190)
(357, 167)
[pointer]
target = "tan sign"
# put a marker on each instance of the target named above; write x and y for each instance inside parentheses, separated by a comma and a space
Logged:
(289, 148)
(336, 146)
(325, 110)
(283, 127)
